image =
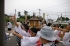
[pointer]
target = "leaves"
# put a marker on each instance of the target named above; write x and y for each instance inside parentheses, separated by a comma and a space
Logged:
(19, 14)
(62, 19)
(25, 12)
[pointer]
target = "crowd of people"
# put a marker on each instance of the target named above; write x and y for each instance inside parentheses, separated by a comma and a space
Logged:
(48, 35)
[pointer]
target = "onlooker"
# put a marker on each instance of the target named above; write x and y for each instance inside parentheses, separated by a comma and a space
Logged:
(9, 26)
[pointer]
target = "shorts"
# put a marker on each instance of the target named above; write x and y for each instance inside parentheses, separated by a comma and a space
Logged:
(9, 29)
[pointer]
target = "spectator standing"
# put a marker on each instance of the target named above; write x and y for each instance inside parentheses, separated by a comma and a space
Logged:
(9, 26)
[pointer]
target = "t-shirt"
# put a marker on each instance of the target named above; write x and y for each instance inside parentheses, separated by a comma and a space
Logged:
(44, 25)
(9, 25)
(47, 44)
(20, 31)
(56, 34)
(66, 39)
(38, 34)
(29, 41)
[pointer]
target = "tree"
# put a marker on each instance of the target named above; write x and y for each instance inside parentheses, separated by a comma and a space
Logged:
(19, 14)
(67, 19)
(28, 17)
(25, 12)
(20, 19)
(62, 19)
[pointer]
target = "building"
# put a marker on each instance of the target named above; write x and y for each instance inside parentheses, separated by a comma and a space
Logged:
(49, 20)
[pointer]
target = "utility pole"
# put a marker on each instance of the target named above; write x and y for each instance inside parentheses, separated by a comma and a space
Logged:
(65, 14)
(15, 14)
(58, 17)
(61, 17)
(39, 11)
(15, 11)
(2, 24)
(43, 16)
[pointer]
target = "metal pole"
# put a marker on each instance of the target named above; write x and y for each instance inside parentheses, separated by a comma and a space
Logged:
(43, 16)
(2, 31)
(65, 14)
(15, 12)
(39, 11)
(61, 17)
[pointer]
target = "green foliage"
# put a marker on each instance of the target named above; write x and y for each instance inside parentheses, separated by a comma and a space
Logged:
(63, 19)
(5, 14)
(19, 14)
(28, 17)
(67, 19)
(20, 19)
(40, 17)
(25, 12)
(6, 19)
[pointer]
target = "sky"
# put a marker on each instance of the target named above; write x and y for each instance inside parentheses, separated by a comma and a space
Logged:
(52, 8)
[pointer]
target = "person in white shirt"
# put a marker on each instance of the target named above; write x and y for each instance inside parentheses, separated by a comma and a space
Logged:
(20, 29)
(28, 41)
(57, 32)
(66, 36)
(66, 39)
(9, 26)
(44, 24)
(22, 32)
(47, 36)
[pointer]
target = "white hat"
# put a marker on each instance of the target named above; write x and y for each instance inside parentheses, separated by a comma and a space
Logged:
(47, 33)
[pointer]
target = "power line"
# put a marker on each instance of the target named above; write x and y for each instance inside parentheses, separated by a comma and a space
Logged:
(54, 6)
(64, 12)
(57, 5)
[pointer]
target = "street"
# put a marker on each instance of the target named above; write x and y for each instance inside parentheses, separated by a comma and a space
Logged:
(12, 40)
